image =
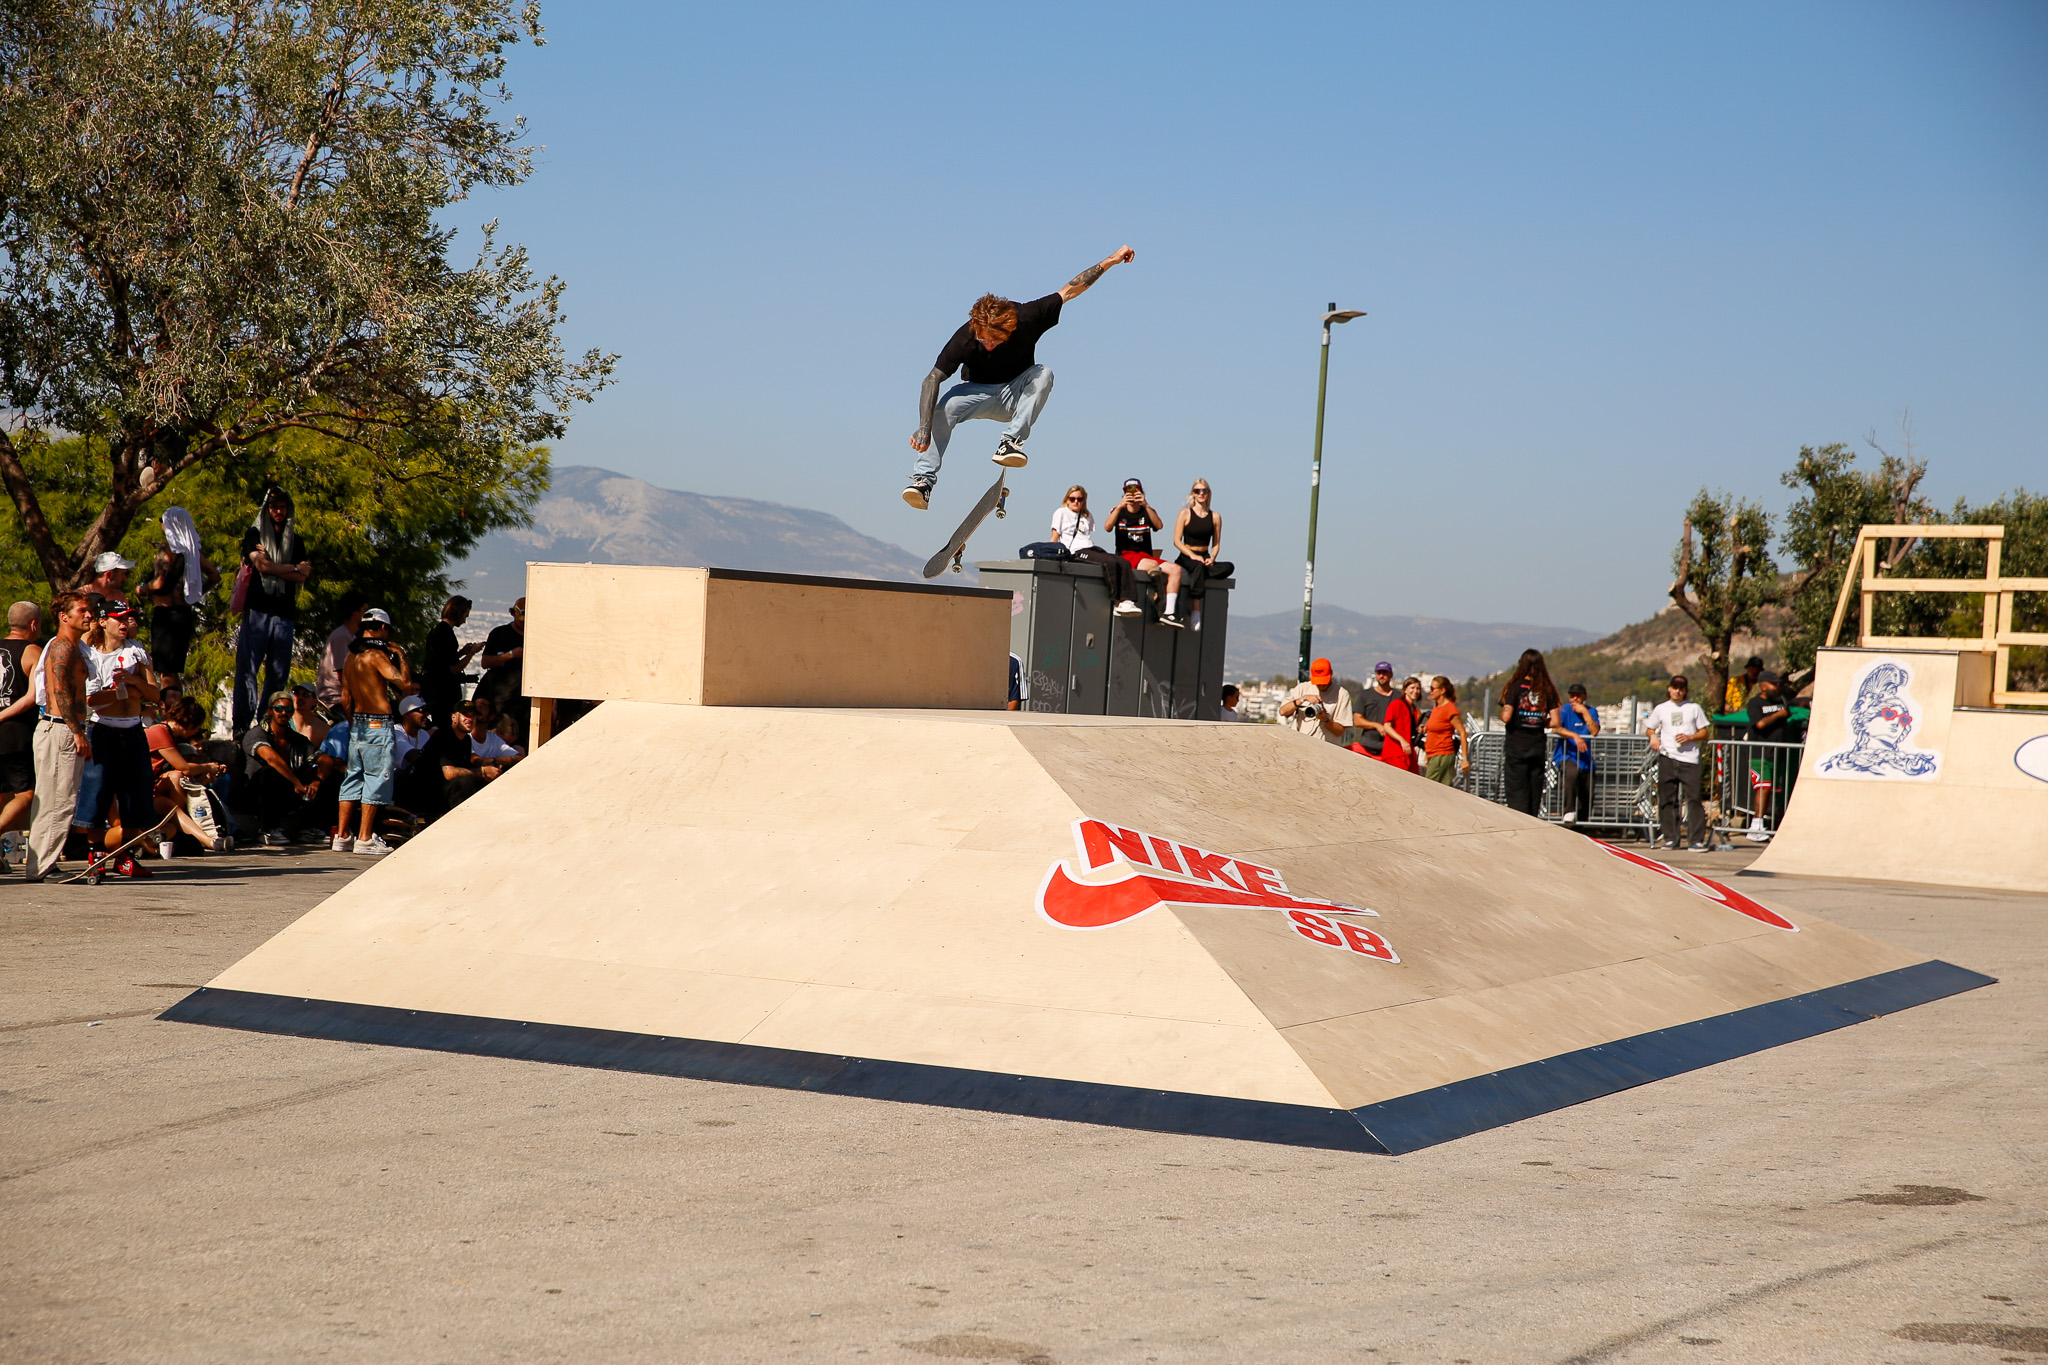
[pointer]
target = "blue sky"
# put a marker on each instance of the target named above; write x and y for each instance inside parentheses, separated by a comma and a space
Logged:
(1610, 254)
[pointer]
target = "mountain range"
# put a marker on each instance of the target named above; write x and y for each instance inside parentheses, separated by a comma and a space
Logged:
(591, 515)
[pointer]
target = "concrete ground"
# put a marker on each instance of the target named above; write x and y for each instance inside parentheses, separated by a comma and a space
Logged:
(171, 1193)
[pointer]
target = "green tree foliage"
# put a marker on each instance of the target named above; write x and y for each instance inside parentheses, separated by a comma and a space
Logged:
(388, 529)
(1835, 500)
(2023, 554)
(1724, 584)
(219, 227)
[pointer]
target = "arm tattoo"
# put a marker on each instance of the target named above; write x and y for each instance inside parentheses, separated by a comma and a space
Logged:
(66, 701)
(928, 401)
(1086, 277)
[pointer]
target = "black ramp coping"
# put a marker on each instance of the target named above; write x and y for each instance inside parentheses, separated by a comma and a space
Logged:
(1389, 1127)
(740, 1064)
(1471, 1106)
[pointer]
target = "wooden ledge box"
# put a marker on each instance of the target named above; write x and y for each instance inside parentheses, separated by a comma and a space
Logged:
(729, 637)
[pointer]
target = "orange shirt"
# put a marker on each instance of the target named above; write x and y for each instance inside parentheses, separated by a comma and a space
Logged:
(1438, 736)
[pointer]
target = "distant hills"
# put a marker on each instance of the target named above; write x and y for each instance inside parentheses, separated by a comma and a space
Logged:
(1262, 646)
(595, 516)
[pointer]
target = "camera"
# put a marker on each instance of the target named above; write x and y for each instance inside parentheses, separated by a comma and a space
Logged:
(1309, 709)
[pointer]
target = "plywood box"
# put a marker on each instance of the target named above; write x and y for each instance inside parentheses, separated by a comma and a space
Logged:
(727, 637)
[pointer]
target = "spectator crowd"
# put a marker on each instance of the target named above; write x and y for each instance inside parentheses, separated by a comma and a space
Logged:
(106, 762)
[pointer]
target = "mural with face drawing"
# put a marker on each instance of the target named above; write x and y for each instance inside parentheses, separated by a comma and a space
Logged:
(1882, 720)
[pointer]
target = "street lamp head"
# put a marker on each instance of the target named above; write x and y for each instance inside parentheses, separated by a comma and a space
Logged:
(1337, 314)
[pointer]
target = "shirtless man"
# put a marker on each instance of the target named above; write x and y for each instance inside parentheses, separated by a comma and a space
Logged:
(63, 740)
(122, 683)
(995, 351)
(374, 667)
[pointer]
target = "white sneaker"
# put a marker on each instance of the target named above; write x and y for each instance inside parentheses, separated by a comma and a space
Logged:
(1129, 608)
(341, 843)
(1571, 817)
(374, 846)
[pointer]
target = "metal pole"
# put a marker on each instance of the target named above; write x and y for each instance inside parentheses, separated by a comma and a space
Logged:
(1315, 490)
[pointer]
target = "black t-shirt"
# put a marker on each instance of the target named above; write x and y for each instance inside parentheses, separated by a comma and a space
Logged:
(294, 748)
(1018, 353)
(506, 681)
(449, 748)
(437, 665)
(268, 592)
(1372, 705)
(1133, 530)
(14, 734)
(1531, 718)
(1758, 708)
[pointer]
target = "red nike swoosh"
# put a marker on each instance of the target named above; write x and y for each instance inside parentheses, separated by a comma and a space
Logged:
(1097, 905)
(1705, 887)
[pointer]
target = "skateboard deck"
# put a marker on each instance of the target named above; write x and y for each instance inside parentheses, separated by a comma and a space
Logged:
(98, 866)
(995, 500)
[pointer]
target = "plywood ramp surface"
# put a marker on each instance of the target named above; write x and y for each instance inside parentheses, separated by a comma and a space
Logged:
(872, 902)
(1978, 819)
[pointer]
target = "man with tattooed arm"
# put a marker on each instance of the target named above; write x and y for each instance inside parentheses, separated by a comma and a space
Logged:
(995, 351)
(63, 741)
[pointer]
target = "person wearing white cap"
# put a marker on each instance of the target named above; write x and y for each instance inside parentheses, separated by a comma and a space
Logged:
(411, 737)
(375, 666)
(110, 576)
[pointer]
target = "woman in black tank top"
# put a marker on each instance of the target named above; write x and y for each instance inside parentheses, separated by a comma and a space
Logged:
(1198, 535)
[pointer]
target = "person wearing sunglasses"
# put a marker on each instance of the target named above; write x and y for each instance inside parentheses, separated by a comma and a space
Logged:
(1074, 527)
(1198, 535)
(279, 776)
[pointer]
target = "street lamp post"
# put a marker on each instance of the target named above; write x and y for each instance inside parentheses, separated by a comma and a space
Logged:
(1315, 481)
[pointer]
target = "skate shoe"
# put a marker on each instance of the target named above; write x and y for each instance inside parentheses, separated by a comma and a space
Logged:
(374, 846)
(1129, 608)
(918, 493)
(1010, 455)
(341, 843)
(128, 867)
(1174, 619)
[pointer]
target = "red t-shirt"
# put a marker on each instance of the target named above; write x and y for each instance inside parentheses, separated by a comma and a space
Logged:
(1401, 721)
(158, 737)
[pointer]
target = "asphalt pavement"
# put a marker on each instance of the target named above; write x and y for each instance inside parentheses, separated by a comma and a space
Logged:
(173, 1193)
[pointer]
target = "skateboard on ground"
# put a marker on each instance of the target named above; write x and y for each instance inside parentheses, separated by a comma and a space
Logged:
(97, 867)
(995, 500)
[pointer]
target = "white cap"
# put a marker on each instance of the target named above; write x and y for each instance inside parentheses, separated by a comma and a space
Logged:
(377, 616)
(111, 560)
(411, 704)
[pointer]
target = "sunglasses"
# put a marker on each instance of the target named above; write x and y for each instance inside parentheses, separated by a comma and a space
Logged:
(1897, 713)
(282, 706)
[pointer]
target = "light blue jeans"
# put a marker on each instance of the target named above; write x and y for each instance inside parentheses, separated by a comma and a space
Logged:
(264, 648)
(1017, 402)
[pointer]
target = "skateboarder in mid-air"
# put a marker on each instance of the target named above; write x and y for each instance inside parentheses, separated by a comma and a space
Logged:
(994, 350)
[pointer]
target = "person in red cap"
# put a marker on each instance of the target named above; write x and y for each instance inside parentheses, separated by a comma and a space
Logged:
(1319, 706)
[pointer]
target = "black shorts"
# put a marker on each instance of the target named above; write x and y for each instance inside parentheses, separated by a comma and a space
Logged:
(170, 637)
(18, 772)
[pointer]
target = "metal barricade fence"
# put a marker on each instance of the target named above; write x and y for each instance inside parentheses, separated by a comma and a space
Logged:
(1624, 780)
(1746, 783)
(1751, 783)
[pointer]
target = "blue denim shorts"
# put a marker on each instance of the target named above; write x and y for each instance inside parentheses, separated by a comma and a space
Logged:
(368, 778)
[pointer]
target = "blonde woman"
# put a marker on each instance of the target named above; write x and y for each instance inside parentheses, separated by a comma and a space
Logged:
(1198, 535)
(1074, 526)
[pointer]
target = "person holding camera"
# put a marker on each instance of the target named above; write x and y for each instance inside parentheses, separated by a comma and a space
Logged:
(1319, 706)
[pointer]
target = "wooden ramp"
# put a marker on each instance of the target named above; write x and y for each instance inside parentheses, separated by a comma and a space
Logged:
(1204, 928)
(1910, 774)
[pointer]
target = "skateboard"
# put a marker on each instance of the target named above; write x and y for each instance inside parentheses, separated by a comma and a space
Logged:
(995, 500)
(97, 866)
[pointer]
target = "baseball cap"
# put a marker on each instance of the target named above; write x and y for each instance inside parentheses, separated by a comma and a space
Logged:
(116, 607)
(377, 616)
(111, 560)
(1769, 677)
(1320, 672)
(411, 704)
(1133, 483)
(1383, 667)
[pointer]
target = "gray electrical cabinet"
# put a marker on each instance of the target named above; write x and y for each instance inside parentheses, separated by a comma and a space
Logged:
(1081, 659)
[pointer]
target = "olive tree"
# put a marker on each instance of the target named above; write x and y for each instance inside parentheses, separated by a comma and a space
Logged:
(220, 223)
(1724, 584)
